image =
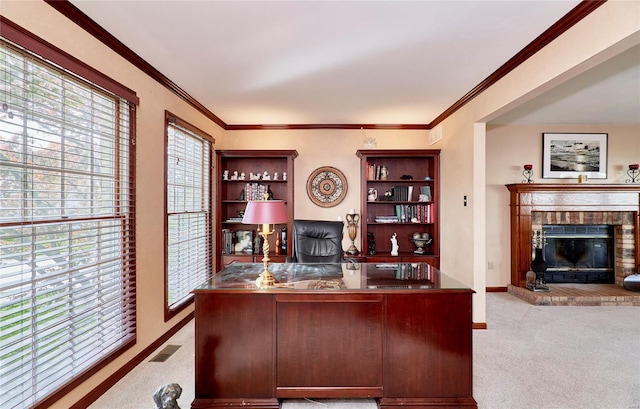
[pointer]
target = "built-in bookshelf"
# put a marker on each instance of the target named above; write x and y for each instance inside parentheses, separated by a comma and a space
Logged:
(244, 175)
(400, 191)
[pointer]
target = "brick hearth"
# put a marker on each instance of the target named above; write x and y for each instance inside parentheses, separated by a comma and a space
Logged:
(579, 295)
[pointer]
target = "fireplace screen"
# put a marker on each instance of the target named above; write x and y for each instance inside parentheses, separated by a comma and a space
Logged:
(579, 253)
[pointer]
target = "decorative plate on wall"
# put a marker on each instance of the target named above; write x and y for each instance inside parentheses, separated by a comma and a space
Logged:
(326, 186)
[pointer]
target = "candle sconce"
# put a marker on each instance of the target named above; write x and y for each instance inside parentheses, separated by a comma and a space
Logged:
(634, 173)
(527, 173)
(352, 228)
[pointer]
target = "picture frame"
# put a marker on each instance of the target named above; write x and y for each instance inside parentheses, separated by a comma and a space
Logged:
(243, 242)
(569, 155)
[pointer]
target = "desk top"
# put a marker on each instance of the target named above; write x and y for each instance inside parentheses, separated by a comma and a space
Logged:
(334, 277)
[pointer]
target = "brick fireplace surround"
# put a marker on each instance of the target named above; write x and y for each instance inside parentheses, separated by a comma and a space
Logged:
(533, 205)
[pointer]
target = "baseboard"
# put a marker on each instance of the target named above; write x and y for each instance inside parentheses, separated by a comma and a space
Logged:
(496, 289)
(479, 325)
(92, 396)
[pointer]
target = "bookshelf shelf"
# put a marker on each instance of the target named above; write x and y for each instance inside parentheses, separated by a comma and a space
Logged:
(232, 195)
(406, 187)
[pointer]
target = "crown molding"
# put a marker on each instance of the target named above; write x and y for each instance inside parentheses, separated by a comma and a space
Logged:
(583, 9)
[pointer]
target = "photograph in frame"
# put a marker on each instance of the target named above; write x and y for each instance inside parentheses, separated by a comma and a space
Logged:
(244, 242)
(569, 155)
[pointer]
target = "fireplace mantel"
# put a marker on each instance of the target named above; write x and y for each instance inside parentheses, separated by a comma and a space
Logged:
(526, 198)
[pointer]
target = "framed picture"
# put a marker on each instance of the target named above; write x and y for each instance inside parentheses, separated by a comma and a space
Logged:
(244, 242)
(567, 155)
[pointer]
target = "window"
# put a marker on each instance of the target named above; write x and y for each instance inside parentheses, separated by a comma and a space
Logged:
(67, 264)
(188, 201)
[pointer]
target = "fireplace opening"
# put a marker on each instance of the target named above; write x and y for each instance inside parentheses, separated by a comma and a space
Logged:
(579, 253)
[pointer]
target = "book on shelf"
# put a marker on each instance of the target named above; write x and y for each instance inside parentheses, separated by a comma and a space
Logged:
(387, 219)
(413, 213)
(414, 271)
(257, 191)
(375, 172)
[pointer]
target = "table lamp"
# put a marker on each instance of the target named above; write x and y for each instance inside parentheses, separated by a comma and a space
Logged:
(266, 213)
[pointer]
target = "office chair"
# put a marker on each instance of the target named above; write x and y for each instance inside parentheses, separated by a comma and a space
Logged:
(317, 241)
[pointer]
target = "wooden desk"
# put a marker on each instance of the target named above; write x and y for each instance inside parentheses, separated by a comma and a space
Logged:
(399, 333)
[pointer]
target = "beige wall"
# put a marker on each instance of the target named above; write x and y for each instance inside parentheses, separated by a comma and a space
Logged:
(610, 29)
(508, 149)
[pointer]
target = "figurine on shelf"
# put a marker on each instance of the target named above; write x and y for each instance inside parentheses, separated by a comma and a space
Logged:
(371, 243)
(235, 175)
(284, 175)
(384, 173)
(241, 176)
(265, 176)
(251, 177)
(275, 176)
(394, 245)
(225, 175)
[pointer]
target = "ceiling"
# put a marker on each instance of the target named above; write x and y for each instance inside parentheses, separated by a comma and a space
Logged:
(357, 62)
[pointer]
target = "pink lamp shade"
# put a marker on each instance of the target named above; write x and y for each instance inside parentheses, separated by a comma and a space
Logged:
(265, 212)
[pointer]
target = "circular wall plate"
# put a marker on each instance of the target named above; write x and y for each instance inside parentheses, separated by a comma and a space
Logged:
(326, 186)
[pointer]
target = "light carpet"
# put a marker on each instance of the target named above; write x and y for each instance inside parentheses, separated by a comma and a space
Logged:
(533, 357)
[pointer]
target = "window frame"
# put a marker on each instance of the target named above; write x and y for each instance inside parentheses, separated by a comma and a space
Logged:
(171, 311)
(44, 53)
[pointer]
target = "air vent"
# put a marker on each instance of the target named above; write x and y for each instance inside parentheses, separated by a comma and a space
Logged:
(435, 134)
(165, 353)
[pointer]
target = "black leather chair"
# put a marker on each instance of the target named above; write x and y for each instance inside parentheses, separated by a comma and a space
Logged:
(317, 241)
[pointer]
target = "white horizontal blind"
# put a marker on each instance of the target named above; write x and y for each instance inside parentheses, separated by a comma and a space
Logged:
(188, 212)
(67, 266)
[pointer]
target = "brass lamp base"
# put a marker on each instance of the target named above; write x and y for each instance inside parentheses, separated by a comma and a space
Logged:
(265, 279)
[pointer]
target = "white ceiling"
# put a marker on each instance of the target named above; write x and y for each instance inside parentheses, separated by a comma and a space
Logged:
(355, 62)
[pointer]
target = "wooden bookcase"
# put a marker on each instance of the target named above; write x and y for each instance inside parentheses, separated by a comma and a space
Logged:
(231, 198)
(420, 216)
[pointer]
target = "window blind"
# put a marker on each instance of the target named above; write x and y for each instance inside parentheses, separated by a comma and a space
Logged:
(67, 262)
(188, 212)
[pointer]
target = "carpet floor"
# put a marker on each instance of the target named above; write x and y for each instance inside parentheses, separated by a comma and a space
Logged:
(533, 357)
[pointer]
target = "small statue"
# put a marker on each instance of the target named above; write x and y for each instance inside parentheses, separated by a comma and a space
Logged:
(241, 176)
(225, 175)
(284, 175)
(166, 396)
(275, 176)
(371, 243)
(394, 245)
(251, 176)
(265, 176)
(384, 173)
(531, 279)
(235, 175)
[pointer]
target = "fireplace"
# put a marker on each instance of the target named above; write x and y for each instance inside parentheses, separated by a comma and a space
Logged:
(577, 253)
(608, 213)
